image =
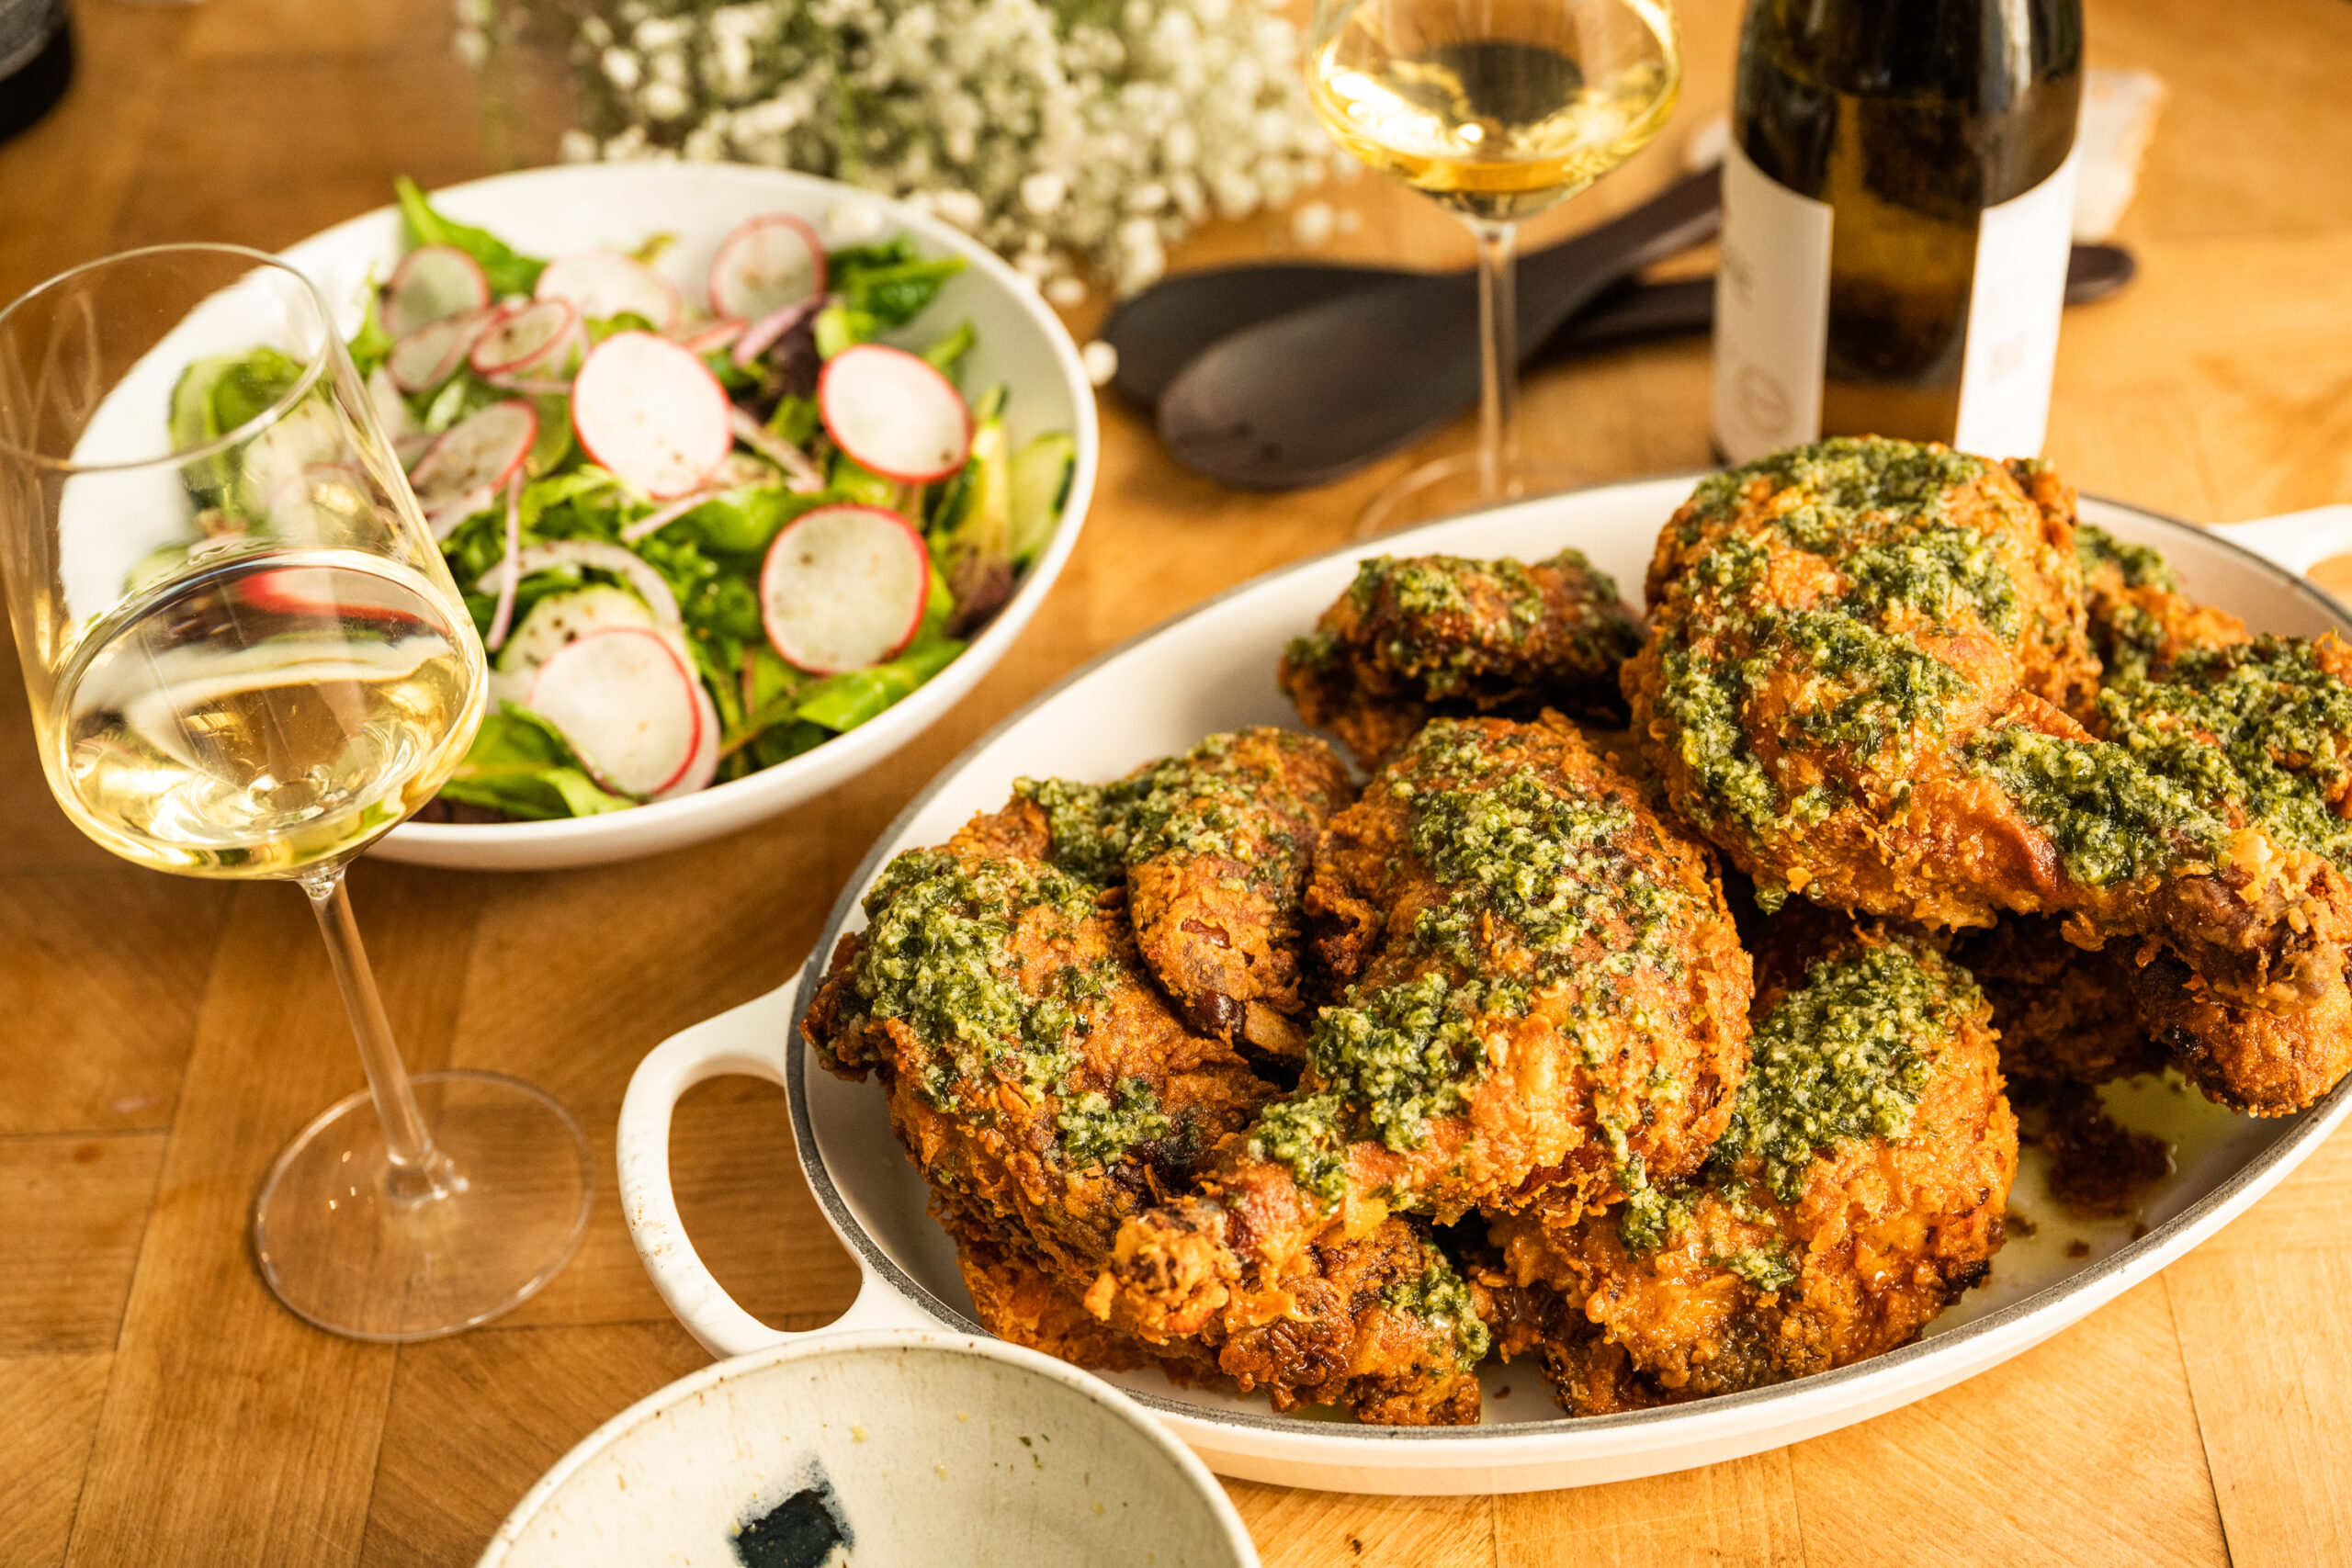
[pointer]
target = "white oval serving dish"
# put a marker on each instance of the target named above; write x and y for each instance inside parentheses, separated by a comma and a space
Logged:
(1022, 344)
(1212, 668)
(930, 1446)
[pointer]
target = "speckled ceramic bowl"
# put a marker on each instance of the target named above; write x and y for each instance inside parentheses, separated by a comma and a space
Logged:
(920, 1448)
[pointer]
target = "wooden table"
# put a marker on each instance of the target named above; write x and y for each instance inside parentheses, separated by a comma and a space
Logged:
(163, 1037)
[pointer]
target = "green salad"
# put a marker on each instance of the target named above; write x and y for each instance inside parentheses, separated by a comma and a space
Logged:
(698, 536)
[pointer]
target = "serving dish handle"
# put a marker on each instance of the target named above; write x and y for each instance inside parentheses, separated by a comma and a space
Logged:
(2296, 540)
(750, 1041)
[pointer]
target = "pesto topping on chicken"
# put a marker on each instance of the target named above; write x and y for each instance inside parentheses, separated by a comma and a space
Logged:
(1878, 509)
(1187, 805)
(2141, 566)
(1438, 1297)
(1096, 1128)
(1451, 612)
(1766, 1268)
(2111, 818)
(938, 955)
(1845, 1056)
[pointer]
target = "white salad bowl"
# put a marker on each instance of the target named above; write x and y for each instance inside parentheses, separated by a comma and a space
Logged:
(1213, 669)
(1021, 346)
(906, 1447)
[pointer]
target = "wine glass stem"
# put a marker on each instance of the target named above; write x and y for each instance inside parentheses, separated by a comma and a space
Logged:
(1499, 355)
(415, 1163)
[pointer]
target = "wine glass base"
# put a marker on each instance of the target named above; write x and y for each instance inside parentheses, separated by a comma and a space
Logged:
(1451, 486)
(364, 1248)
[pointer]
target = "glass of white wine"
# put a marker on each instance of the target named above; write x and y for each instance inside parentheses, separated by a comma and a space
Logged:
(245, 659)
(1497, 109)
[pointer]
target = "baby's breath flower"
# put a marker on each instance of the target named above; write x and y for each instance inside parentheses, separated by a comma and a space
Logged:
(1063, 134)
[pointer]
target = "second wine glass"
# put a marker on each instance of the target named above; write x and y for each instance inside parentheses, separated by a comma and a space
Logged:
(1497, 109)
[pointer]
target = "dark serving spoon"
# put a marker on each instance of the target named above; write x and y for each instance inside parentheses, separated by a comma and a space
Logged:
(1260, 372)
(1168, 325)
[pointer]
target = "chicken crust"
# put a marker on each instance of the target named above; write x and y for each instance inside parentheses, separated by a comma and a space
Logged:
(1777, 1266)
(1545, 994)
(1415, 638)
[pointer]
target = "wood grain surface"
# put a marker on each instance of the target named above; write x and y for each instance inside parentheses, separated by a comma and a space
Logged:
(162, 1038)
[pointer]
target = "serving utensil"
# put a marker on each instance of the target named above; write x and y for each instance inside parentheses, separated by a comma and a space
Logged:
(1277, 377)
(1168, 325)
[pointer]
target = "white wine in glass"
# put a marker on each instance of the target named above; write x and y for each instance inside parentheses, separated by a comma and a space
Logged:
(246, 659)
(1497, 109)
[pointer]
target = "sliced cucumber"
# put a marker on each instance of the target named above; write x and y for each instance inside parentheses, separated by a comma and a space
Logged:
(555, 621)
(1041, 476)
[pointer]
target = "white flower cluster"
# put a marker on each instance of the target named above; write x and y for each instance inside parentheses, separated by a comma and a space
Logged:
(1064, 134)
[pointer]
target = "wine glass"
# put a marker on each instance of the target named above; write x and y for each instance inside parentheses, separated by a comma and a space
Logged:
(246, 659)
(1497, 109)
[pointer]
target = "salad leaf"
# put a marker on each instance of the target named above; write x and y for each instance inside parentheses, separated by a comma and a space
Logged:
(845, 701)
(520, 765)
(602, 327)
(947, 354)
(891, 283)
(837, 327)
(508, 271)
(371, 344)
(797, 420)
(742, 521)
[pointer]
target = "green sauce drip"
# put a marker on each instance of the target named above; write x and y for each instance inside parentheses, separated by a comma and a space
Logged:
(1438, 1297)
(2111, 818)
(1096, 1128)
(2141, 566)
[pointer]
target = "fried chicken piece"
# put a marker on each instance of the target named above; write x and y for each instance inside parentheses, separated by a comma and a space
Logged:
(1432, 635)
(2064, 1016)
(1215, 848)
(1046, 1092)
(1545, 994)
(1852, 689)
(2139, 618)
(1860, 1191)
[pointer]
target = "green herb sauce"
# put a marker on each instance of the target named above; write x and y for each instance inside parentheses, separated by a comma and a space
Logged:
(1096, 1128)
(1438, 1297)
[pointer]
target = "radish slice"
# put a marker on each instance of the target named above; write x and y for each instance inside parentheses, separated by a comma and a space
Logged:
(765, 265)
(709, 337)
(384, 395)
(894, 413)
(625, 564)
(481, 452)
(321, 592)
(845, 587)
(626, 701)
(504, 615)
(410, 447)
(604, 284)
(444, 518)
(433, 282)
(651, 412)
(763, 333)
(533, 337)
(431, 355)
(557, 621)
(703, 766)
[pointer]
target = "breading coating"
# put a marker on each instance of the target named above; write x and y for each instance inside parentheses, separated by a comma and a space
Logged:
(1852, 689)
(1860, 1191)
(1046, 1092)
(1545, 994)
(1431, 634)
(2138, 618)
(1214, 847)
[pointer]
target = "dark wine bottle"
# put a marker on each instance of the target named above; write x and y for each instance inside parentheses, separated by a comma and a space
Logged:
(1898, 209)
(36, 60)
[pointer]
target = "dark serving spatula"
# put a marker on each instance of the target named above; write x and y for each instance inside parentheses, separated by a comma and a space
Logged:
(1275, 377)
(1168, 325)
(1309, 396)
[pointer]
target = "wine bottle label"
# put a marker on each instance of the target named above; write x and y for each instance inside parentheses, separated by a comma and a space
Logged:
(26, 26)
(2014, 303)
(1772, 316)
(1772, 312)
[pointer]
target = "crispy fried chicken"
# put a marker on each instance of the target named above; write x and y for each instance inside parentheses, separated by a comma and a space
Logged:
(1432, 635)
(1545, 994)
(1855, 689)
(1858, 1193)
